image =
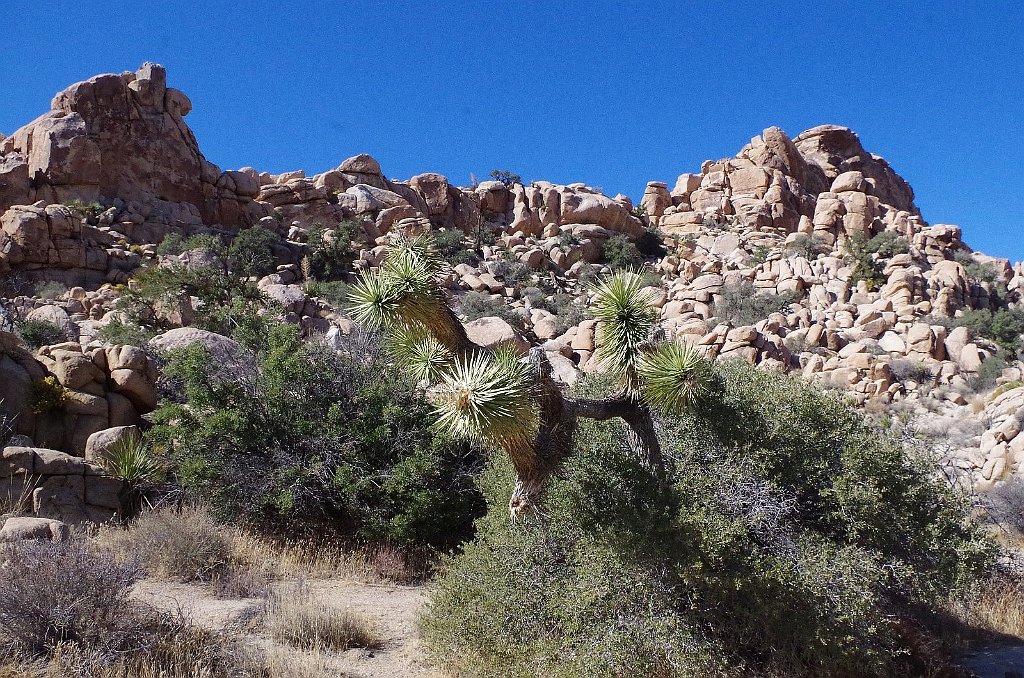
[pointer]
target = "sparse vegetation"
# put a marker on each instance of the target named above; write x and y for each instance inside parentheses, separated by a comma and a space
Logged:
(295, 616)
(39, 333)
(741, 304)
(476, 305)
(47, 395)
(1004, 326)
(507, 178)
(807, 246)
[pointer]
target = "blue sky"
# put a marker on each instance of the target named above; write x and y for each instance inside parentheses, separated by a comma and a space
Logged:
(601, 92)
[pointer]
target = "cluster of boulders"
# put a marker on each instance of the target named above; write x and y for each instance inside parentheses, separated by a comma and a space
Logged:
(58, 486)
(62, 394)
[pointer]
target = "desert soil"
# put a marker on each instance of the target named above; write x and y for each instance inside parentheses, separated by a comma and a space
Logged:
(392, 609)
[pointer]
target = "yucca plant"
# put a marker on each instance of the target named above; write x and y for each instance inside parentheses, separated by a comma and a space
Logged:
(130, 461)
(511, 403)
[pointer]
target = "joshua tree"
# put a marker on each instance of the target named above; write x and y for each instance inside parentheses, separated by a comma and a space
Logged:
(514, 404)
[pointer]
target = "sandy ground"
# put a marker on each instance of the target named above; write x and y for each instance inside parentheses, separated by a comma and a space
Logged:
(392, 609)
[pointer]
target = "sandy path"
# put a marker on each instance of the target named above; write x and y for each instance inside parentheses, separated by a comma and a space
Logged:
(392, 609)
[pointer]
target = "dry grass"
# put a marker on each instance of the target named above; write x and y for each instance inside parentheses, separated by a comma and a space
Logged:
(294, 616)
(190, 545)
(16, 494)
(996, 609)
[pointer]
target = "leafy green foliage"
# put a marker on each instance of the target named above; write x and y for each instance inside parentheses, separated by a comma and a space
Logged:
(452, 247)
(867, 256)
(621, 254)
(303, 438)
(117, 332)
(251, 252)
(741, 304)
(212, 287)
(807, 246)
(792, 540)
(38, 333)
(1003, 326)
(330, 253)
(47, 395)
(975, 270)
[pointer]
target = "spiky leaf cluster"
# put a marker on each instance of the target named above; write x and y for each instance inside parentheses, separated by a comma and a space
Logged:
(626, 316)
(674, 377)
(489, 397)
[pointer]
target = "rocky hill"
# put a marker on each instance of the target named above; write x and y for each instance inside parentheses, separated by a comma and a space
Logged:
(805, 255)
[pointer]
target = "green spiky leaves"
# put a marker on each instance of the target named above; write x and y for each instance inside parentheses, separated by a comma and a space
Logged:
(626, 315)
(486, 397)
(403, 290)
(674, 377)
(419, 352)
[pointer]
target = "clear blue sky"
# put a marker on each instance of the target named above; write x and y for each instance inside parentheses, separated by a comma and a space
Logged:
(613, 94)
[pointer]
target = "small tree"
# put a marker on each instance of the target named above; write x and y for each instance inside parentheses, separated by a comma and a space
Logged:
(515, 405)
(509, 179)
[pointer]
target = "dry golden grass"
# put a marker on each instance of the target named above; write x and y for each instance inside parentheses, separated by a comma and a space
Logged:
(190, 545)
(997, 608)
(294, 616)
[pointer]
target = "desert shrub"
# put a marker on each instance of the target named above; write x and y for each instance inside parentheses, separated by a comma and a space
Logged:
(1008, 386)
(220, 299)
(650, 243)
(476, 305)
(1005, 505)
(509, 179)
(50, 289)
(990, 370)
(297, 617)
(47, 394)
(760, 254)
(911, 370)
(619, 253)
(333, 291)
(251, 252)
(741, 304)
(329, 254)
(807, 246)
(1003, 326)
(304, 439)
(451, 246)
(568, 310)
(55, 593)
(172, 245)
(38, 333)
(789, 540)
(976, 271)
(120, 333)
(866, 267)
(887, 244)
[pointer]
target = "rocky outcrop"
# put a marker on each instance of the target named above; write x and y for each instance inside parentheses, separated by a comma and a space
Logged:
(123, 138)
(58, 486)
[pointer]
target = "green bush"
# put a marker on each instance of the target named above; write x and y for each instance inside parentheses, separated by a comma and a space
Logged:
(791, 540)
(476, 305)
(329, 256)
(509, 179)
(172, 245)
(1003, 326)
(251, 252)
(807, 246)
(741, 304)
(620, 253)
(304, 438)
(451, 246)
(38, 333)
(120, 333)
(975, 270)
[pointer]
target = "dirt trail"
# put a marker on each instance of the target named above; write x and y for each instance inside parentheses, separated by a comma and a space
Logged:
(392, 609)
(996, 662)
